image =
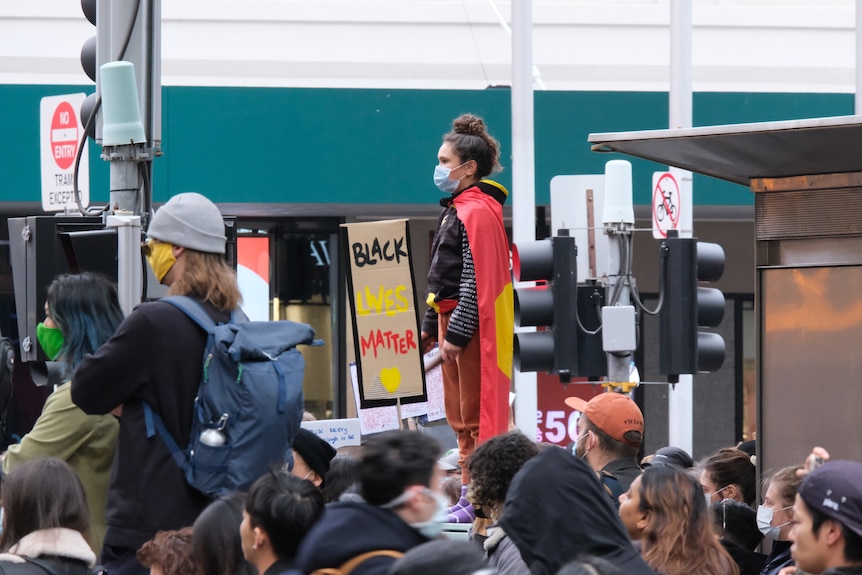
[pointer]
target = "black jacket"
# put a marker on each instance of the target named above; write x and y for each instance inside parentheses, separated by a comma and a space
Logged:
(556, 510)
(778, 558)
(156, 356)
(348, 529)
(53, 566)
(749, 562)
(447, 256)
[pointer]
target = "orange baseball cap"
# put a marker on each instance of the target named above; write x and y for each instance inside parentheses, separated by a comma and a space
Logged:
(613, 413)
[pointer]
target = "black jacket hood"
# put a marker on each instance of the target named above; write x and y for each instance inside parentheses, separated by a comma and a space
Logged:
(556, 510)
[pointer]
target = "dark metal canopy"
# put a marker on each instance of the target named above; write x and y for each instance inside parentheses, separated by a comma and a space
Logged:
(740, 152)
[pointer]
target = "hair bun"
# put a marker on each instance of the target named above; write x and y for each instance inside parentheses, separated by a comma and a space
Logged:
(469, 124)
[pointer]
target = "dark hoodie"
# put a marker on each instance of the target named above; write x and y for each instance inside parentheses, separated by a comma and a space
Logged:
(556, 510)
(349, 528)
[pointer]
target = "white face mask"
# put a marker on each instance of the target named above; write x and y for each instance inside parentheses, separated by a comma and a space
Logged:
(764, 521)
(432, 528)
(575, 446)
(710, 495)
(442, 181)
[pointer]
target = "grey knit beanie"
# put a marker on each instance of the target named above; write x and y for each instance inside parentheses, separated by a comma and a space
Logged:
(189, 220)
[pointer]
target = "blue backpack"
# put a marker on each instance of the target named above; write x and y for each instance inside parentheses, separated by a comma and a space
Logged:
(249, 403)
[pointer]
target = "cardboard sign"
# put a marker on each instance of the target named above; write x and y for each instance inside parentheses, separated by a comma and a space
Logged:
(385, 318)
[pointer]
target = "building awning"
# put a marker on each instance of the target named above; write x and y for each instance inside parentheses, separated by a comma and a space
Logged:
(740, 152)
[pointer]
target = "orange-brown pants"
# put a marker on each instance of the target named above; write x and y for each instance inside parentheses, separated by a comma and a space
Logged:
(462, 385)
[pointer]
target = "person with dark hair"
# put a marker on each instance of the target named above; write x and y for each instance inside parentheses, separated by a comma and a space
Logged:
(342, 477)
(45, 520)
(670, 456)
(279, 511)
(401, 507)
(665, 509)
(82, 311)
(827, 521)
(611, 429)
(155, 358)
(735, 524)
(729, 474)
(589, 565)
(169, 553)
(556, 510)
(470, 296)
(216, 542)
(442, 557)
(775, 517)
(492, 467)
(311, 457)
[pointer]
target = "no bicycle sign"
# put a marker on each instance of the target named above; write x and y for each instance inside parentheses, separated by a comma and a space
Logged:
(60, 134)
(666, 204)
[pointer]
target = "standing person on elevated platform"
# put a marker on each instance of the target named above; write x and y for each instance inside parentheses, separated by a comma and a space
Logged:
(470, 289)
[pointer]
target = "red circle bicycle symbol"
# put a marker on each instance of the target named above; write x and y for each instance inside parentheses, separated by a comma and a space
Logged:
(666, 204)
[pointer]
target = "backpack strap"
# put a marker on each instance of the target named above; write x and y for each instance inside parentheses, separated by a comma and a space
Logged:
(355, 562)
(194, 310)
(612, 487)
(156, 425)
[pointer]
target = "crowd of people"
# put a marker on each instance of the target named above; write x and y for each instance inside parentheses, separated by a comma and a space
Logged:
(92, 485)
(540, 510)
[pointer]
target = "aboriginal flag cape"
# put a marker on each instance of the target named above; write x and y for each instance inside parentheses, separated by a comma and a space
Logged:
(482, 216)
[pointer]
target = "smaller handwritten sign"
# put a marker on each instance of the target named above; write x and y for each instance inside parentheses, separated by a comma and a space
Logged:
(338, 432)
(385, 317)
(373, 419)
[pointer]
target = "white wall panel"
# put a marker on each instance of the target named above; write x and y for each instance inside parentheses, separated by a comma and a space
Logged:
(738, 45)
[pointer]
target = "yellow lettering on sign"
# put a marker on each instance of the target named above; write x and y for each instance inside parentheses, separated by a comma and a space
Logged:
(388, 301)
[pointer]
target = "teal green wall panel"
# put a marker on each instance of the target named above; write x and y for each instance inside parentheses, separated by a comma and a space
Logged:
(377, 146)
(309, 145)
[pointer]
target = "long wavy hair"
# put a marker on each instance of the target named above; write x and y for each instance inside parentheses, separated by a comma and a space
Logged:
(87, 311)
(216, 543)
(678, 538)
(208, 276)
(41, 494)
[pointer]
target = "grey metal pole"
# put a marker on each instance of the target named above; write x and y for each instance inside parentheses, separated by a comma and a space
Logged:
(681, 398)
(618, 220)
(132, 31)
(523, 180)
(858, 98)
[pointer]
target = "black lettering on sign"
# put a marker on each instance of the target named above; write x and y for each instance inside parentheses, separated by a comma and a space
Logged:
(369, 255)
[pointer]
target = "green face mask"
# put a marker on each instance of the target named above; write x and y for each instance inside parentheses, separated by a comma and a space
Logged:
(51, 340)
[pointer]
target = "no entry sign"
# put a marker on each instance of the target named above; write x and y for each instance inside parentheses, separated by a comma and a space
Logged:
(64, 135)
(61, 130)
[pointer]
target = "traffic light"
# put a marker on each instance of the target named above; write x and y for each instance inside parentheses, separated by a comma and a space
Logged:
(553, 306)
(41, 247)
(89, 112)
(129, 31)
(686, 307)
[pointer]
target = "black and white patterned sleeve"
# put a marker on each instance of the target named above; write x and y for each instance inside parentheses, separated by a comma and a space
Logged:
(465, 317)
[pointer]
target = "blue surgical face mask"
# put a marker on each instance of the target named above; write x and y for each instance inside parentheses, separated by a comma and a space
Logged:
(442, 181)
(432, 528)
(764, 522)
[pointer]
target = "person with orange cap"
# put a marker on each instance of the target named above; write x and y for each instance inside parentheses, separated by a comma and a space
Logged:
(610, 433)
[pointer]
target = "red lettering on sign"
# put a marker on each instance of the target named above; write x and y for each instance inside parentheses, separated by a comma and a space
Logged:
(378, 340)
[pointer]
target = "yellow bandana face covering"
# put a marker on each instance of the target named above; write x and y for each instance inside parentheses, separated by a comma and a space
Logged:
(160, 257)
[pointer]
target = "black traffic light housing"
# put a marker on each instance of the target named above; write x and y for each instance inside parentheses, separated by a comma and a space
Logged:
(42, 247)
(687, 306)
(553, 306)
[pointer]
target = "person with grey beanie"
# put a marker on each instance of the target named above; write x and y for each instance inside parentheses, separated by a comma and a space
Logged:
(155, 357)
